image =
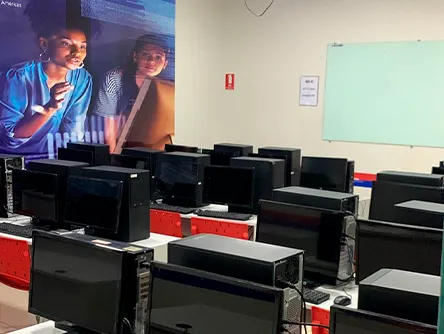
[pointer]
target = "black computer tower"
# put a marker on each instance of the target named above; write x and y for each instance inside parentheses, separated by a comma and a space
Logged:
(134, 220)
(242, 149)
(195, 197)
(7, 163)
(101, 155)
(401, 294)
(63, 169)
(152, 155)
(350, 185)
(243, 259)
(269, 174)
(293, 169)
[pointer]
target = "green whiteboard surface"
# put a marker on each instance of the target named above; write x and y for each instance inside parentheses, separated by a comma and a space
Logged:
(389, 93)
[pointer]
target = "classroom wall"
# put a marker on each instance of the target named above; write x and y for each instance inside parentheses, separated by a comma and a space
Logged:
(269, 54)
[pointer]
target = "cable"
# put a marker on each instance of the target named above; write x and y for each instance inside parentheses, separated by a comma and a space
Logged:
(348, 295)
(303, 314)
(304, 324)
(126, 322)
(261, 14)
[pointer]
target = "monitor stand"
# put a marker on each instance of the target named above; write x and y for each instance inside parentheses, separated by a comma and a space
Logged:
(72, 329)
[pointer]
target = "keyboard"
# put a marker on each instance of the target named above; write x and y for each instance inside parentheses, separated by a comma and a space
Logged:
(224, 215)
(17, 230)
(315, 297)
(172, 208)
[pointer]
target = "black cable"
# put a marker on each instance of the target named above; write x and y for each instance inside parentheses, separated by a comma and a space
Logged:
(126, 322)
(261, 14)
(303, 314)
(304, 324)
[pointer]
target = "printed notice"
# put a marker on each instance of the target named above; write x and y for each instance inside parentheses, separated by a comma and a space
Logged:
(308, 93)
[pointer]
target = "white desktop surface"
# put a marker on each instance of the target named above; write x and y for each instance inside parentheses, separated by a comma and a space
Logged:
(351, 289)
(43, 328)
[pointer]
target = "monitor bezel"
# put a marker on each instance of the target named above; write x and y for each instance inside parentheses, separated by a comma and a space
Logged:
(341, 160)
(387, 320)
(278, 293)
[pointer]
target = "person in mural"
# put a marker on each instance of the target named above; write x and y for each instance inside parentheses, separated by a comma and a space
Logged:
(152, 125)
(51, 93)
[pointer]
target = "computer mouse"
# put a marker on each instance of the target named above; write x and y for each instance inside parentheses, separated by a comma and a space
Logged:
(342, 300)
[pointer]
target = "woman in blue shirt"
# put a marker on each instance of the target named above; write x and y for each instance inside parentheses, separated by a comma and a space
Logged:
(50, 94)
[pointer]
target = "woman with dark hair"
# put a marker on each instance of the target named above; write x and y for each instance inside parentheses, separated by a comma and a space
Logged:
(121, 85)
(52, 93)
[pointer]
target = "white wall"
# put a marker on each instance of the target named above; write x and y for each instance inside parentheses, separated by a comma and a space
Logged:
(269, 54)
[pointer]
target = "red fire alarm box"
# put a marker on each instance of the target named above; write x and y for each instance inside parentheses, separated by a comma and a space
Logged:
(229, 81)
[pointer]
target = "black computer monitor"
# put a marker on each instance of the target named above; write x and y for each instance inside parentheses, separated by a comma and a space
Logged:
(220, 158)
(232, 186)
(318, 232)
(129, 161)
(288, 170)
(324, 173)
(345, 320)
(34, 194)
(71, 154)
(74, 282)
(385, 195)
(209, 303)
(437, 170)
(396, 246)
(176, 182)
(94, 203)
(181, 148)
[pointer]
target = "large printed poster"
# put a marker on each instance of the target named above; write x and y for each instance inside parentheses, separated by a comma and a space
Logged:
(99, 71)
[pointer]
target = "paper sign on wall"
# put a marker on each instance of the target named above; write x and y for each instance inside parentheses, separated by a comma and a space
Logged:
(229, 81)
(309, 89)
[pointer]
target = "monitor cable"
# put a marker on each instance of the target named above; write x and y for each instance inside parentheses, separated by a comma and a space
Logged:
(126, 322)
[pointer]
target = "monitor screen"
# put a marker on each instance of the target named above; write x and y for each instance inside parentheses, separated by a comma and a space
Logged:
(71, 154)
(317, 232)
(229, 185)
(94, 203)
(388, 245)
(207, 303)
(352, 321)
(177, 180)
(34, 194)
(129, 161)
(324, 173)
(386, 194)
(75, 282)
(180, 148)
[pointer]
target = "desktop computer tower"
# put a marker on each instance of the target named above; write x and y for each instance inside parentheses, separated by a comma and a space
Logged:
(350, 185)
(323, 199)
(293, 156)
(195, 164)
(63, 169)
(243, 150)
(134, 220)
(401, 294)
(252, 261)
(7, 163)
(419, 179)
(269, 174)
(101, 155)
(150, 153)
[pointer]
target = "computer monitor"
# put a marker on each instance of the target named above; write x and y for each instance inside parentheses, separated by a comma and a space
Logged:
(181, 148)
(88, 285)
(345, 320)
(209, 303)
(324, 173)
(437, 170)
(128, 161)
(288, 170)
(232, 186)
(319, 232)
(396, 246)
(176, 182)
(94, 203)
(385, 195)
(71, 154)
(34, 194)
